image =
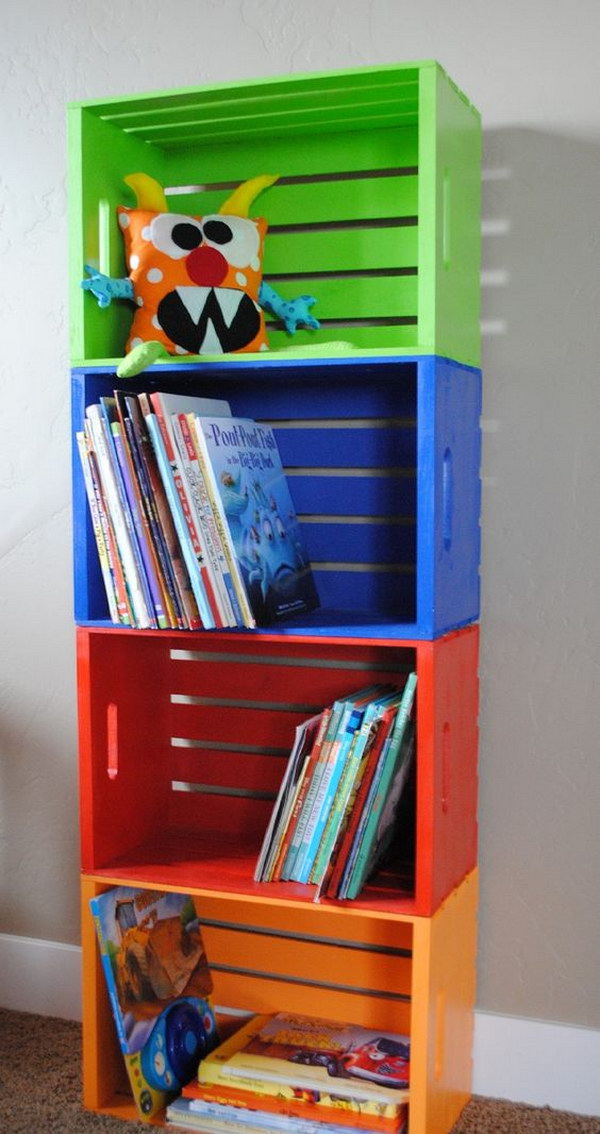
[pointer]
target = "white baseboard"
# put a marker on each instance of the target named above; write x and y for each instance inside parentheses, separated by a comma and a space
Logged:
(40, 976)
(529, 1061)
(537, 1062)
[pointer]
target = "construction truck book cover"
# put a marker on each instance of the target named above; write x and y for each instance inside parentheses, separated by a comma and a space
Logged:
(159, 986)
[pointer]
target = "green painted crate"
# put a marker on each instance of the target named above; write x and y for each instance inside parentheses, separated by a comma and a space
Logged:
(376, 211)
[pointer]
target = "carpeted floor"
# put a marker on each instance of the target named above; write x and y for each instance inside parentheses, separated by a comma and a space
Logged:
(40, 1090)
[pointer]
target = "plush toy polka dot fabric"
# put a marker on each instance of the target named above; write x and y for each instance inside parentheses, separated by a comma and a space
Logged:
(195, 281)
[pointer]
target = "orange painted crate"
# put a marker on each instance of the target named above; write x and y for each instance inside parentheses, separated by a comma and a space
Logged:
(412, 975)
(183, 746)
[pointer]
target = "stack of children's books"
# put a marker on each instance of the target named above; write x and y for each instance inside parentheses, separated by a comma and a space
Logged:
(192, 515)
(293, 1073)
(335, 814)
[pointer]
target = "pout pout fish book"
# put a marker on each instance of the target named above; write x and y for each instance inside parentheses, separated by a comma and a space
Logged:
(251, 490)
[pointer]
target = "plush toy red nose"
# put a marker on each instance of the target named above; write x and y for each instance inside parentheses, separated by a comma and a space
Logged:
(206, 266)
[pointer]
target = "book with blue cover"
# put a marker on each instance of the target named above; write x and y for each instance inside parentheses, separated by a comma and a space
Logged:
(251, 490)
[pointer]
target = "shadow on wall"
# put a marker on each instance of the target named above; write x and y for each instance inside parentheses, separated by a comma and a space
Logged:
(540, 719)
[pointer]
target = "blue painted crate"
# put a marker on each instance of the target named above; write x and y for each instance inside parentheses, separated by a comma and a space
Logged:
(382, 457)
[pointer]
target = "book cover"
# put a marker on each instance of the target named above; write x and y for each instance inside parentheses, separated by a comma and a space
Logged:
(159, 986)
(281, 1099)
(260, 516)
(383, 811)
(377, 732)
(324, 769)
(254, 1118)
(358, 1062)
(386, 790)
(349, 785)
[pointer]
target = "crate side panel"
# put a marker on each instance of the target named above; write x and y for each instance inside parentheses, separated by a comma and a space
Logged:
(444, 980)
(106, 155)
(124, 742)
(457, 494)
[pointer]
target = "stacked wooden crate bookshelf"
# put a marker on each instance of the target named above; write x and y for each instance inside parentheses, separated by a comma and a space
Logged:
(184, 736)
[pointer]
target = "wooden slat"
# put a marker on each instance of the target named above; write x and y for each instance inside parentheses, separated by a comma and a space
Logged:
(359, 297)
(312, 682)
(263, 995)
(387, 148)
(360, 543)
(363, 590)
(331, 250)
(361, 446)
(241, 817)
(262, 728)
(242, 770)
(359, 337)
(339, 199)
(367, 495)
(309, 961)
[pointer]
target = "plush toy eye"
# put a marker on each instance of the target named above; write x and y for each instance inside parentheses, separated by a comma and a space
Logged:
(237, 236)
(217, 232)
(175, 235)
(268, 530)
(187, 236)
(280, 528)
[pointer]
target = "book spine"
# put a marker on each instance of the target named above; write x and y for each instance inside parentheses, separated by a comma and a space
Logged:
(119, 518)
(199, 530)
(141, 530)
(169, 480)
(311, 811)
(123, 602)
(215, 540)
(98, 526)
(285, 869)
(238, 594)
(109, 978)
(321, 1106)
(160, 558)
(186, 605)
(336, 813)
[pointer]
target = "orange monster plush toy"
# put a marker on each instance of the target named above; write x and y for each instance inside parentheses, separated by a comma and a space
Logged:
(196, 281)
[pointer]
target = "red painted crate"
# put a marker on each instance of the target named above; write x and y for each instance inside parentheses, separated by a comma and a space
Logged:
(183, 745)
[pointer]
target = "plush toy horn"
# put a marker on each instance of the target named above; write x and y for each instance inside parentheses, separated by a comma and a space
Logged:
(238, 204)
(148, 192)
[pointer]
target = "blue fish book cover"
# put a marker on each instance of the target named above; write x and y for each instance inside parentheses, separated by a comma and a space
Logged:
(251, 489)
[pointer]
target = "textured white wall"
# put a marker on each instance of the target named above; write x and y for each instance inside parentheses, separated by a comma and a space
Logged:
(532, 69)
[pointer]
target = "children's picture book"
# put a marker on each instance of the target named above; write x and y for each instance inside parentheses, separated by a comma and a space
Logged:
(306, 1052)
(377, 815)
(259, 516)
(159, 985)
(328, 1109)
(206, 1114)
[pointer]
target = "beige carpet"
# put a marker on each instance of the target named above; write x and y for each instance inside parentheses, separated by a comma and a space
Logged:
(40, 1090)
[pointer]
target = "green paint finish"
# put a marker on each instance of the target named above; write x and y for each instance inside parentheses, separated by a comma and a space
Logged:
(376, 212)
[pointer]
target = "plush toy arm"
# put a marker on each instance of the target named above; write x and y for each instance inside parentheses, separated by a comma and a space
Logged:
(104, 288)
(290, 311)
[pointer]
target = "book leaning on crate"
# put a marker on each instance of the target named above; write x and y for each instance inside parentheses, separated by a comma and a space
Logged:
(159, 986)
(192, 515)
(336, 811)
(288, 1072)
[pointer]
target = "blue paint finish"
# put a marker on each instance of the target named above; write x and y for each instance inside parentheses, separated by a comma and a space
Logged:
(383, 459)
